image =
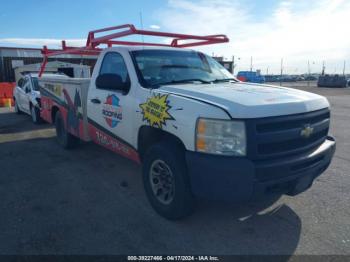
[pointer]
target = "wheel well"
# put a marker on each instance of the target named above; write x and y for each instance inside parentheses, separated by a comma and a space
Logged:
(54, 110)
(149, 136)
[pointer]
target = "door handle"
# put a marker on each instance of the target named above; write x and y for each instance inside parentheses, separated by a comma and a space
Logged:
(95, 101)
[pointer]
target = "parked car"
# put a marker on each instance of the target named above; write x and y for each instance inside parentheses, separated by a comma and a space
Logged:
(271, 78)
(332, 81)
(310, 78)
(288, 78)
(27, 97)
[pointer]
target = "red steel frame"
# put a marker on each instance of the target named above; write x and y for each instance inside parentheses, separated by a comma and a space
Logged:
(92, 43)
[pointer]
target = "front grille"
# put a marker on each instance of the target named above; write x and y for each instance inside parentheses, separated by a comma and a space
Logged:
(290, 144)
(281, 124)
(279, 136)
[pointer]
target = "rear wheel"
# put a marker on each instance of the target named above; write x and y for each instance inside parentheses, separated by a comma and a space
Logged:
(166, 181)
(65, 139)
(35, 113)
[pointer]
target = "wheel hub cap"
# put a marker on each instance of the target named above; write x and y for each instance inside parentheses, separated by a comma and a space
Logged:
(162, 182)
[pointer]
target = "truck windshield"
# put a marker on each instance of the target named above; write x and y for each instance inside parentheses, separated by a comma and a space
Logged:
(35, 83)
(161, 67)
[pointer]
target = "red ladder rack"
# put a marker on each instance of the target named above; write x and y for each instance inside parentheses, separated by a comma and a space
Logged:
(112, 38)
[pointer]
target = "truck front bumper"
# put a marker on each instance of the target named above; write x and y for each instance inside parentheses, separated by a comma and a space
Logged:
(238, 179)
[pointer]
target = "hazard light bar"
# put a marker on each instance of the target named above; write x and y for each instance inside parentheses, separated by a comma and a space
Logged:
(112, 37)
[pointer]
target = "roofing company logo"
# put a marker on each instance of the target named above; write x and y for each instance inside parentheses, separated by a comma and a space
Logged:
(155, 110)
(307, 131)
(112, 111)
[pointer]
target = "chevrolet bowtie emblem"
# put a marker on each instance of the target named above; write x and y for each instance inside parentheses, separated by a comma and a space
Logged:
(307, 131)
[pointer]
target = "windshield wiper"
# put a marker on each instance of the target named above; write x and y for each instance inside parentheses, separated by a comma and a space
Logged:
(223, 80)
(184, 81)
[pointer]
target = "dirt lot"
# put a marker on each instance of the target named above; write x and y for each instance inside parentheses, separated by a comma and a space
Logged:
(90, 201)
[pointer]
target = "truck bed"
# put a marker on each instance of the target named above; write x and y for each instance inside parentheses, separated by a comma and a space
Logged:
(70, 97)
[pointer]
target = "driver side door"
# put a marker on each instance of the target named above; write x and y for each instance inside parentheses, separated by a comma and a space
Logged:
(111, 110)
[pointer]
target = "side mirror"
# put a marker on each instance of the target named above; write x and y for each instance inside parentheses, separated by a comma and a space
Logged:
(112, 82)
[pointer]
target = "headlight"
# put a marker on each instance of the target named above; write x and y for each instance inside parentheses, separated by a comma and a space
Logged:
(223, 137)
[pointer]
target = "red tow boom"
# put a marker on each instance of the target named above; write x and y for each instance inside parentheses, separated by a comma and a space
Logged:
(113, 34)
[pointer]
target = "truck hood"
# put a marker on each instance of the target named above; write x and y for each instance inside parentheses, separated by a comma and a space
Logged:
(246, 100)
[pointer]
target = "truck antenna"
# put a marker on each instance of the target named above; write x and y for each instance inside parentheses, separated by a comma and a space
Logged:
(141, 23)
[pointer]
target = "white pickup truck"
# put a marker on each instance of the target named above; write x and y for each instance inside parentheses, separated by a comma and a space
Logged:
(198, 131)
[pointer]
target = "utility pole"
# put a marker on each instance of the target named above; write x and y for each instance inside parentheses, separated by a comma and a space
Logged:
(323, 68)
(281, 71)
(267, 70)
(344, 68)
(251, 64)
(233, 65)
(308, 73)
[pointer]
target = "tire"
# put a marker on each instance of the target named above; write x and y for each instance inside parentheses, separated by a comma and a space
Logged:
(180, 201)
(17, 110)
(65, 139)
(35, 114)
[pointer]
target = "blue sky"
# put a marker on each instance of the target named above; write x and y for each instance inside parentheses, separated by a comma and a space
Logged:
(267, 30)
(74, 18)
(68, 19)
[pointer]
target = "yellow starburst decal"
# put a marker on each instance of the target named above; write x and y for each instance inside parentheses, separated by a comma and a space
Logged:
(155, 110)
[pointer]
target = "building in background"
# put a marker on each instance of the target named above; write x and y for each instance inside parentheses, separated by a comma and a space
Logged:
(14, 57)
(225, 63)
(69, 69)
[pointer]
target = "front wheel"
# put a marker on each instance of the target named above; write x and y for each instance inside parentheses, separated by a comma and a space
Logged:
(65, 139)
(17, 110)
(35, 113)
(166, 181)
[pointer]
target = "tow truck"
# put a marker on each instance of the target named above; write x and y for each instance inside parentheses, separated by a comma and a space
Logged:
(197, 131)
